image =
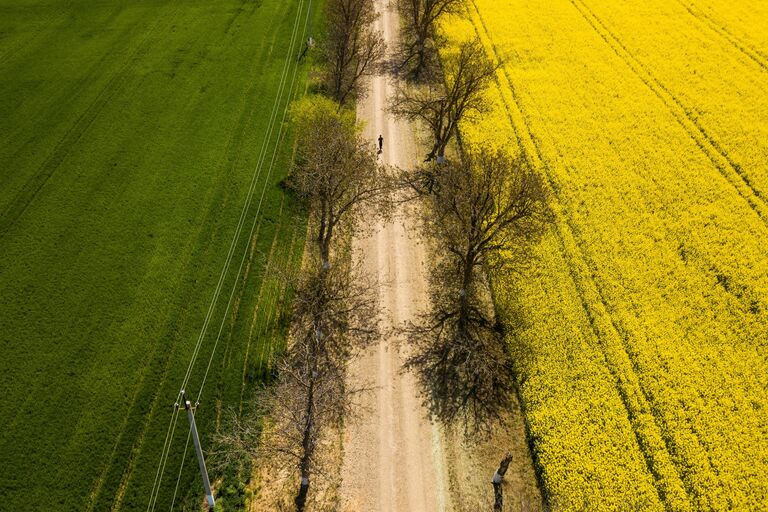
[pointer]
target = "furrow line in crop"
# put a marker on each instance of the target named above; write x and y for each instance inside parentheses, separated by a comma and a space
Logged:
(98, 484)
(730, 170)
(705, 462)
(154, 392)
(656, 448)
(740, 45)
(284, 291)
(32, 187)
(275, 296)
(89, 116)
(260, 297)
(231, 157)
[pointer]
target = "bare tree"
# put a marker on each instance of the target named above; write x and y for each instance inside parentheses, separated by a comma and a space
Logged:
(235, 444)
(352, 48)
(336, 172)
(468, 73)
(333, 318)
(333, 315)
(482, 212)
(419, 18)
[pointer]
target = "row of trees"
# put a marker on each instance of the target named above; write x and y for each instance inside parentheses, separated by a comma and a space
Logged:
(417, 53)
(482, 212)
(351, 50)
(335, 174)
(483, 209)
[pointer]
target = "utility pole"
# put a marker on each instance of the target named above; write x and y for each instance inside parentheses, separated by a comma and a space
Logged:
(309, 19)
(199, 451)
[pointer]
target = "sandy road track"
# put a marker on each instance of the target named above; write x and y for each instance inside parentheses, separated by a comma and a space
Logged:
(393, 458)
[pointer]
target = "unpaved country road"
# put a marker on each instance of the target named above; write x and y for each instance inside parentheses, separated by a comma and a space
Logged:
(393, 459)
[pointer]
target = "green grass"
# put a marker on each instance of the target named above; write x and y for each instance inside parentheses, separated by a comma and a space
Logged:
(129, 132)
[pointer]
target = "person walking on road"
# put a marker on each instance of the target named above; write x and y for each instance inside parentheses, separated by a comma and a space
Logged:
(381, 143)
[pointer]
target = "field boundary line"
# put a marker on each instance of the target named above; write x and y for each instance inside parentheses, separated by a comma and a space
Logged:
(722, 161)
(634, 397)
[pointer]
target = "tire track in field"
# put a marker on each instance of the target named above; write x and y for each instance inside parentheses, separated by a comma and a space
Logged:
(237, 305)
(68, 97)
(676, 107)
(719, 157)
(252, 243)
(740, 45)
(656, 448)
(275, 294)
(35, 183)
(703, 140)
(289, 262)
(95, 488)
(165, 364)
(266, 293)
(257, 306)
(19, 136)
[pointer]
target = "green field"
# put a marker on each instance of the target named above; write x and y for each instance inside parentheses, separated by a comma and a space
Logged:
(129, 135)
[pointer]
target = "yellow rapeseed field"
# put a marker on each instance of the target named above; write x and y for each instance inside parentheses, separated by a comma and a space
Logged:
(640, 330)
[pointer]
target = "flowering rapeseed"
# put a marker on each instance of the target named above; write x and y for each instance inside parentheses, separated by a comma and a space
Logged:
(640, 330)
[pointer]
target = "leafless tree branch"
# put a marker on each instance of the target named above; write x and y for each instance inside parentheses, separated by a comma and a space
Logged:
(441, 106)
(352, 48)
(482, 212)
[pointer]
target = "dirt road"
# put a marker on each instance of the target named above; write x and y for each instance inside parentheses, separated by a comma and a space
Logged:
(395, 459)
(393, 456)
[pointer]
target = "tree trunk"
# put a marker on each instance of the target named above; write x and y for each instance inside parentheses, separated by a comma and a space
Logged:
(441, 155)
(301, 498)
(325, 246)
(466, 283)
(421, 60)
(498, 477)
(307, 447)
(431, 155)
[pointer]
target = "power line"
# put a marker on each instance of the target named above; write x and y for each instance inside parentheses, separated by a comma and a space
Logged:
(253, 225)
(178, 478)
(236, 236)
